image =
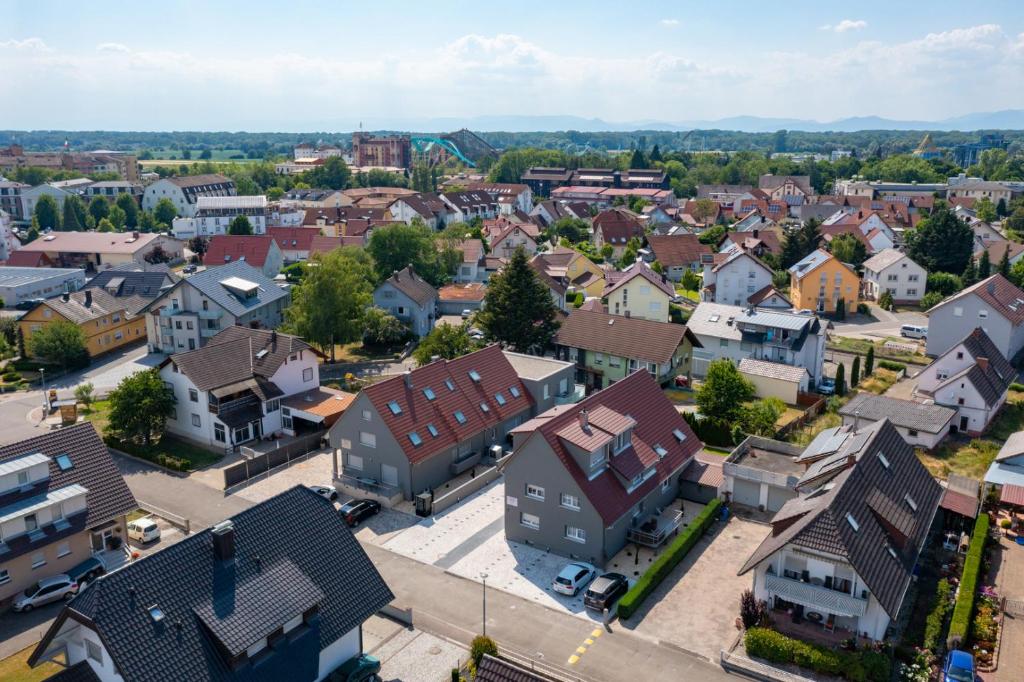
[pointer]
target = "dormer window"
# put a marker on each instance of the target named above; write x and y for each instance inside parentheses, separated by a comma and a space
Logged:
(459, 417)
(622, 441)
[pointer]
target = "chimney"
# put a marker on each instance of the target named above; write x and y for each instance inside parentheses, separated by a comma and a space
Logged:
(991, 286)
(856, 420)
(135, 234)
(66, 297)
(626, 313)
(762, 219)
(224, 541)
(407, 378)
(860, 214)
(755, 233)
(273, 337)
(88, 298)
(983, 363)
(584, 419)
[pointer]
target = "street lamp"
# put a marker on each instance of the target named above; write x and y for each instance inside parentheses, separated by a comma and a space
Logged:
(42, 379)
(484, 576)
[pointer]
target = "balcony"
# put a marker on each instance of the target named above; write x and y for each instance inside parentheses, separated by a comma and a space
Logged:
(207, 333)
(210, 314)
(574, 396)
(170, 312)
(816, 597)
(655, 529)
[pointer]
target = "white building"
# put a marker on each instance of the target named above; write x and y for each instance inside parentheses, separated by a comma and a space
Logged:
(735, 278)
(184, 192)
(214, 215)
(23, 284)
(893, 271)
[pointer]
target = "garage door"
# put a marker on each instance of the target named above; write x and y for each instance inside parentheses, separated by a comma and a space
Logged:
(778, 496)
(746, 492)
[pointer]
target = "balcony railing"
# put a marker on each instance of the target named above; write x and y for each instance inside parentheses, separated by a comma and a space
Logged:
(210, 314)
(816, 597)
(657, 529)
(574, 396)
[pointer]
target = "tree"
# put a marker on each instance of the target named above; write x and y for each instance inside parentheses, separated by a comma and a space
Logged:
(127, 203)
(1001, 209)
(396, 246)
(197, 245)
(1017, 273)
(942, 242)
(690, 280)
(984, 265)
(869, 361)
(885, 301)
(99, 208)
(760, 418)
(60, 342)
(573, 229)
(656, 155)
(855, 371)
(105, 225)
(117, 218)
(753, 612)
(205, 154)
(139, 407)
(70, 220)
(797, 244)
(985, 210)
(21, 344)
(970, 275)
(147, 223)
(444, 341)
(1004, 262)
(186, 154)
(381, 328)
(481, 645)
(164, 213)
(332, 174)
(944, 283)
(724, 391)
(46, 213)
(518, 310)
(1015, 222)
(240, 226)
(931, 299)
(637, 160)
(703, 209)
(328, 306)
(841, 380)
(85, 394)
(849, 249)
(157, 255)
(841, 309)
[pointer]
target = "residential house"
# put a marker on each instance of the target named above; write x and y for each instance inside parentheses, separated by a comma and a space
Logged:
(410, 298)
(511, 197)
(922, 425)
(214, 215)
(678, 253)
(997, 249)
(511, 237)
(230, 391)
(606, 197)
(426, 206)
(986, 235)
(656, 215)
(1007, 470)
(18, 285)
(607, 348)
(472, 268)
(995, 304)
(413, 433)
(260, 251)
(184, 192)
(644, 178)
(31, 196)
(316, 198)
(736, 277)
(250, 598)
(542, 181)
(105, 320)
(979, 189)
(775, 379)
(10, 199)
(576, 272)
(198, 307)
(638, 291)
(585, 480)
(755, 221)
(111, 190)
(455, 299)
(550, 211)
(738, 332)
(102, 250)
(64, 501)
(469, 204)
(757, 241)
(847, 545)
(894, 272)
(724, 195)
(347, 222)
(971, 377)
(136, 287)
(819, 281)
(616, 227)
(294, 242)
(785, 187)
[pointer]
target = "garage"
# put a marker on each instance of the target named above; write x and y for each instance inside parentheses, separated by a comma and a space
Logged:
(746, 492)
(702, 479)
(778, 497)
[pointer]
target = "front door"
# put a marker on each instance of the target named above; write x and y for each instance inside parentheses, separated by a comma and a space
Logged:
(388, 474)
(99, 539)
(963, 424)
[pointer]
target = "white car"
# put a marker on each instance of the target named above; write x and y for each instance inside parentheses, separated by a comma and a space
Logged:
(573, 578)
(45, 591)
(325, 491)
(143, 530)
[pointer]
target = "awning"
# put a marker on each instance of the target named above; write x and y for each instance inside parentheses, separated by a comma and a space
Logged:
(318, 404)
(816, 597)
(1012, 494)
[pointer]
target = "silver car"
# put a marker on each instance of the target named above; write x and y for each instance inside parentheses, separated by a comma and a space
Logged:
(45, 591)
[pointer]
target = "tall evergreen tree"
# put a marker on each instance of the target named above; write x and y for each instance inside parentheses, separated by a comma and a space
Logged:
(638, 160)
(855, 371)
(1004, 262)
(869, 362)
(970, 275)
(1001, 209)
(70, 221)
(984, 265)
(131, 210)
(46, 213)
(841, 380)
(518, 310)
(656, 155)
(942, 242)
(99, 208)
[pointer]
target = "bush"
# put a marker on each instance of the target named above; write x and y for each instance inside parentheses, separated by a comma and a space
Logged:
(1016, 386)
(753, 612)
(481, 645)
(892, 366)
(931, 299)
(668, 560)
(863, 309)
(964, 609)
(860, 666)
(710, 430)
(578, 300)
(936, 620)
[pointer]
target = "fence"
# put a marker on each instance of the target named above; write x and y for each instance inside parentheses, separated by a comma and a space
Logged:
(266, 462)
(458, 494)
(814, 405)
(180, 521)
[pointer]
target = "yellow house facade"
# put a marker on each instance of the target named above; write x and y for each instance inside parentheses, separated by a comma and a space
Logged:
(820, 281)
(585, 275)
(104, 319)
(638, 292)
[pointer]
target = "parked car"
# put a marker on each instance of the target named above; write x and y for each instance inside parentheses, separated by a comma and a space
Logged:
(45, 591)
(143, 530)
(573, 578)
(325, 491)
(605, 591)
(189, 269)
(29, 304)
(959, 667)
(355, 511)
(361, 668)
(913, 331)
(466, 313)
(87, 571)
(827, 386)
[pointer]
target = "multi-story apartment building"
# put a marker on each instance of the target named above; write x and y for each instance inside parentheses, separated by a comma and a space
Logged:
(820, 281)
(390, 151)
(213, 216)
(10, 199)
(184, 192)
(894, 272)
(737, 277)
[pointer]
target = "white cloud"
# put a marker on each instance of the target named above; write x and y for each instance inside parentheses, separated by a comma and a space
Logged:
(33, 44)
(672, 23)
(112, 47)
(844, 26)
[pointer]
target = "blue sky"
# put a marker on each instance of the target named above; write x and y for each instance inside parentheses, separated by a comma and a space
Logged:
(303, 66)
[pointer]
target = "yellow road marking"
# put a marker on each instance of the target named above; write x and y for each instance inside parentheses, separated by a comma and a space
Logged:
(597, 632)
(588, 641)
(581, 649)
(573, 659)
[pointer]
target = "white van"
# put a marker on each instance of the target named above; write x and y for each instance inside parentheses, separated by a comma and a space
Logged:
(913, 331)
(143, 530)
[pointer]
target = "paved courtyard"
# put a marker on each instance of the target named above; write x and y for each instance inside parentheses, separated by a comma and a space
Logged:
(409, 655)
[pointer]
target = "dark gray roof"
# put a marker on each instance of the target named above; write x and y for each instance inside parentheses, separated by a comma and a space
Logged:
(79, 672)
(135, 288)
(79, 308)
(91, 467)
(413, 286)
(208, 282)
(873, 494)
(291, 551)
(905, 413)
(233, 356)
(493, 669)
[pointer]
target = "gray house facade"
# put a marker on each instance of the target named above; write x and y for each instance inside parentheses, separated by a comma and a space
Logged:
(995, 304)
(409, 298)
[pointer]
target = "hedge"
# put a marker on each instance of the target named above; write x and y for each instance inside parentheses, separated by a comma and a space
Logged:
(859, 666)
(892, 366)
(1015, 386)
(668, 560)
(964, 608)
(711, 430)
(937, 616)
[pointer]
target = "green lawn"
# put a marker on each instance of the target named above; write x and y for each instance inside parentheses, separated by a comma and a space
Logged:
(973, 457)
(691, 294)
(357, 352)
(680, 397)
(805, 435)
(879, 382)
(15, 668)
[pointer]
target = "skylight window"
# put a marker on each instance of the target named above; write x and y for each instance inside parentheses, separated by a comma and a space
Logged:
(156, 613)
(514, 391)
(483, 406)
(680, 436)
(714, 318)
(892, 552)
(499, 398)
(432, 429)
(429, 393)
(459, 417)
(64, 462)
(395, 407)
(415, 438)
(882, 458)
(910, 502)
(449, 384)
(660, 450)
(852, 521)
(474, 375)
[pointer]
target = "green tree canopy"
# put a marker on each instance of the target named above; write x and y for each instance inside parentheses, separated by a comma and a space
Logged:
(381, 328)
(393, 247)
(117, 218)
(573, 229)
(139, 407)
(444, 341)
(240, 226)
(724, 391)
(761, 417)
(849, 249)
(944, 283)
(986, 210)
(333, 174)
(164, 213)
(59, 342)
(99, 208)
(518, 309)
(942, 242)
(70, 221)
(127, 203)
(46, 213)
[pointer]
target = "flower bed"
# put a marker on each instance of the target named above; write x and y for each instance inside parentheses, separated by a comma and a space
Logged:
(985, 629)
(865, 665)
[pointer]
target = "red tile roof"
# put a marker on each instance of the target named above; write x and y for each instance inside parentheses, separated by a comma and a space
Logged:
(466, 395)
(473, 291)
(656, 419)
(225, 248)
(29, 259)
(322, 244)
(293, 238)
(1000, 293)
(677, 250)
(959, 503)
(1012, 494)
(617, 227)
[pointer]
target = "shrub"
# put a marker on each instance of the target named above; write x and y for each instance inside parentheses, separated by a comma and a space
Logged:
(668, 560)
(863, 309)
(753, 612)
(1016, 386)
(578, 300)
(937, 616)
(1005, 523)
(710, 430)
(860, 666)
(931, 299)
(885, 301)
(481, 645)
(964, 608)
(892, 366)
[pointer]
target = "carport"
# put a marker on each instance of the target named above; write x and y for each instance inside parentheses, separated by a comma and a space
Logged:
(313, 410)
(702, 479)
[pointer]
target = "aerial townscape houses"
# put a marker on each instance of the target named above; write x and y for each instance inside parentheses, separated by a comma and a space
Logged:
(184, 192)
(994, 303)
(893, 272)
(214, 214)
(107, 321)
(820, 281)
(410, 298)
(96, 251)
(260, 251)
(638, 291)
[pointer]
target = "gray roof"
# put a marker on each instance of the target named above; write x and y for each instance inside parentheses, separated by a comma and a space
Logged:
(493, 669)
(991, 382)
(12, 276)
(214, 608)
(890, 532)
(884, 258)
(724, 321)
(413, 286)
(905, 413)
(772, 370)
(79, 672)
(209, 283)
(809, 262)
(80, 308)
(1013, 447)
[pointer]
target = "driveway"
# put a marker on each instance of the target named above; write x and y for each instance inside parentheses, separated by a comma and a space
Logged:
(880, 324)
(1010, 584)
(108, 372)
(695, 608)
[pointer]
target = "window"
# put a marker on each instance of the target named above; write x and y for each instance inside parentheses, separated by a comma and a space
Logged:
(449, 384)
(31, 523)
(645, 290)
(366, 415)
(432, 429)
(395, 407)
(575, 534)
(354, 462)
(655, 306)
(911, 292)
(883, 459)
(484, 408)
(196, 420)
(474, 375)
(547, 391)
(911, 432)
(273, 405)
(910, 502)
(93, 651)
(307, 374)
(193, 395)
(529, 520)
(459, 417)
(63, 549)
(960, 355)
(853, 522)
(724, 343)
(535, 492)
(598, 358)
(218, 433)
(38, 560)
(660, 450)
(499, 398)
(983, 314)
(570, 501)
(596, 459)
(368, 439)
(64, 462)
(514, 391)
(429, 393)
(5, 576)
(680, 436)
(415, 439)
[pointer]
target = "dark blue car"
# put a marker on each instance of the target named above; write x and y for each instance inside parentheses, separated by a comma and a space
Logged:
(959, 667)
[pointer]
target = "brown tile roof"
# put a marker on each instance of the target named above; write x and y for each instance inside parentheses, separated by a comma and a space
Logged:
(766, 239)
(959, 503)
(413, 286)
(677, 250)
(293, 238)
(224, 248)
(705, 469)
(625, 337)
(473, 291)
(998, 292)
(100, 304)
(29, 259)
(764, 294)
(322, 401)
(322, 244)
(472, 250)
(996, 250)
(638, 269)
(188, 181)
(617, 227)
(497, 376)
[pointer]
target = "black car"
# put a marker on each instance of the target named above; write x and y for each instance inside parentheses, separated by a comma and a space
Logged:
(87, 571)
(355, 511)
(605, 591)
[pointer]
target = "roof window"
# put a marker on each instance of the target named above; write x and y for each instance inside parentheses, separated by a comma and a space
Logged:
(432, 429)
(882, 458)
(499, 398)
(514, 391)
(485, 408)
(910, 502)
(156, 613)
(680, 436)
(395, 407)
(64, 462)
(459, 417)
(660, 450)
(415, 438)
(474, 375)
(429, 393)
(852, 521)
(449, 384)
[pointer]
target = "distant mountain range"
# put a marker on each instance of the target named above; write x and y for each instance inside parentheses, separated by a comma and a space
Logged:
(1009, 119)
